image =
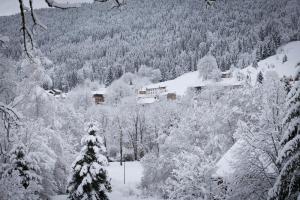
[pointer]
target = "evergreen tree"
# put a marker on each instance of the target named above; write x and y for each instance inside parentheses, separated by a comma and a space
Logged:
(20, 179)
(284, 59)
(259, 52)
(27, 171)
(276, 38)
(287, 185)
(89, 178)
(255, 64)
(287, 85)
(260, 77)
(109, 78)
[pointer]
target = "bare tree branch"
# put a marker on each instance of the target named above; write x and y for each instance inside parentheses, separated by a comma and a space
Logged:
(118, 3)
(54, 4)
(36, 21)
(25, 30)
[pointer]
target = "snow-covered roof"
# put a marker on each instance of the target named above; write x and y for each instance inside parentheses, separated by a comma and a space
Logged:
(154, 86)
(226, 72)
(225, 164)
(100, 91)
(57, 90)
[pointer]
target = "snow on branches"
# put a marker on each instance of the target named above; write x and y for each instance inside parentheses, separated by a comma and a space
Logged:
(287, 183)
(89, 178)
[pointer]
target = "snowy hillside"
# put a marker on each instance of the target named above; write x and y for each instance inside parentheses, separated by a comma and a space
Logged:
(193, 79)
(292, 51)
(199, 99)
(98, 43)
(275, 63)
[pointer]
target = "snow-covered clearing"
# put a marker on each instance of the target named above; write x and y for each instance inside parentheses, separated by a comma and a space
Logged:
(275, 62)
(121, 191)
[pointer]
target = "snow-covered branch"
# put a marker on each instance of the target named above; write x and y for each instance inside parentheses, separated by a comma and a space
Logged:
(4, 38)
(54, 4)
(117, 2)
(26, 33)
(10, 112)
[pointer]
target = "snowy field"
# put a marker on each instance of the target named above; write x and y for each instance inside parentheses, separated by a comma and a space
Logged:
(121, 191)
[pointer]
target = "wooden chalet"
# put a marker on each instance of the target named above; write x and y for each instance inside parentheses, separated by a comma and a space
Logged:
(99, 96)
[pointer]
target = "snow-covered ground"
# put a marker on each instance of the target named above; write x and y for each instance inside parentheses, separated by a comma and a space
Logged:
(121, 191)
(274, 63)
(180, 84)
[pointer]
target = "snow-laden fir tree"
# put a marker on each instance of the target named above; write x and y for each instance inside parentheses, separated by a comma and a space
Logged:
(260, 77)
(20, 179)
(284, 59)
(287, 185)
(89, 179)
(109, 78)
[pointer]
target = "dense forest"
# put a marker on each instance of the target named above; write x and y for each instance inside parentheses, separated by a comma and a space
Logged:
(101, 43)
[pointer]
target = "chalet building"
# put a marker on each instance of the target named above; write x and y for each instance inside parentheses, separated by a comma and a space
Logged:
(156, 91)
(151, 94)
(171, 96)
(152, 91)
(99, 96)
(226, 74)
(142, 92)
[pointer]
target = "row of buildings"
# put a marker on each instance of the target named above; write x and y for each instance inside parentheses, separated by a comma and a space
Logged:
(143, 95)
(168, 90)
(171, 90)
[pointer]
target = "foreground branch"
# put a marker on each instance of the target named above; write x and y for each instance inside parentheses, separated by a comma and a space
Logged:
(54, 4)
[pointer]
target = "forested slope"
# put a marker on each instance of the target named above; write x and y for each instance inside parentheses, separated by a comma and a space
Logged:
(96, 42)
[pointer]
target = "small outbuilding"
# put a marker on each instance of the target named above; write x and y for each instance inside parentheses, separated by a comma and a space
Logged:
(171, 96)
(99, 96)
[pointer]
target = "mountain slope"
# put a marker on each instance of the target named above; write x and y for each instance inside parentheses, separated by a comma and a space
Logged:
(272, 63)
(170, 35)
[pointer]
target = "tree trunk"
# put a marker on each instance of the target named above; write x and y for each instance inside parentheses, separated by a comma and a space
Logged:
(121, 146)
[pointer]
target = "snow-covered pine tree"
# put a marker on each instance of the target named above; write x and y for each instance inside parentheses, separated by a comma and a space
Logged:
(109, 78)
(89, 179)
(287, 185)
(260, 77)
(284, 59)
(20, 164)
